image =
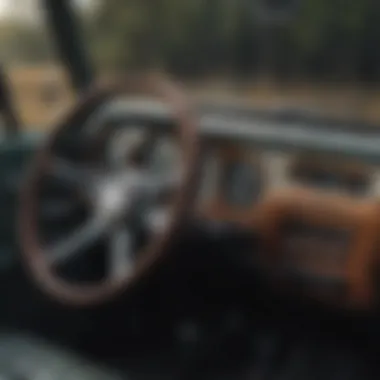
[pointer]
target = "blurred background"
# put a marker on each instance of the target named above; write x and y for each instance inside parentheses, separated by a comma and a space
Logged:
(323, 57)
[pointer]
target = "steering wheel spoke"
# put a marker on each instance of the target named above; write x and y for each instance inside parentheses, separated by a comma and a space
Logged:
(157, 219)
(120, 258)
(81, 239)
(157, 185)
(130, 146)
(71, 174)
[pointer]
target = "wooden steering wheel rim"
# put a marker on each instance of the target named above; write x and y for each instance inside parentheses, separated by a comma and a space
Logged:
(33, 255)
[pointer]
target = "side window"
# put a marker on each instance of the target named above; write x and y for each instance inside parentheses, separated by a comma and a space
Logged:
(39, 85)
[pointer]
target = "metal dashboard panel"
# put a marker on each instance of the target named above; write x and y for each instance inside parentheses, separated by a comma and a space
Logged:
(269, 133)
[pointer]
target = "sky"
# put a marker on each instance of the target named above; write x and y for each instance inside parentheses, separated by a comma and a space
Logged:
(3, 6)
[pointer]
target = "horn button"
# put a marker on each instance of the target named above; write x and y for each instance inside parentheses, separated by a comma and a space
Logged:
(113, 196)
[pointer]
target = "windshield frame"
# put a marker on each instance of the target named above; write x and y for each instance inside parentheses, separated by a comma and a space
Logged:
(66, 31)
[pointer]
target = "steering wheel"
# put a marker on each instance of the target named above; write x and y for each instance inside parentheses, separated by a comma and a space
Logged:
(111, 193)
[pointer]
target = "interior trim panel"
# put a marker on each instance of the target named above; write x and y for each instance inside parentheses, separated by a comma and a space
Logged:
(356, 220)
(321, 241)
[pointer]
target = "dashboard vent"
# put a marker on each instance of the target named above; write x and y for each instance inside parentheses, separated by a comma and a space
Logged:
(327, 176)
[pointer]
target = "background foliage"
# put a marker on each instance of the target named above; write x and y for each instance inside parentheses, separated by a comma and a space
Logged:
(328, 39)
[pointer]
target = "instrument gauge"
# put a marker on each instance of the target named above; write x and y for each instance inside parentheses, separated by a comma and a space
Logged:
(209, 177)
(241, 184)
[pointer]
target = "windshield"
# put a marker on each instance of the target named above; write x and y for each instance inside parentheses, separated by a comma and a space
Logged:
(321, 58)
(38, 81)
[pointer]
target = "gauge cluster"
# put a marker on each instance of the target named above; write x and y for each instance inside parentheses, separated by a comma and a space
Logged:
(241, 184)
(243, 180)
(232, 183)
(210, 174)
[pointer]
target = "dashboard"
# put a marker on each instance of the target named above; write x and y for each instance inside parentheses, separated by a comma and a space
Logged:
(317, 218)
(316, 215)
(311, 196)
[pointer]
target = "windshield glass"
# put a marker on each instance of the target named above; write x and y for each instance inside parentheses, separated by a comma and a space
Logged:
(321, 57)
(36, 77)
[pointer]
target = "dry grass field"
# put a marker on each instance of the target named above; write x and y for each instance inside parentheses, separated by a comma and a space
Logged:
(42, 93)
